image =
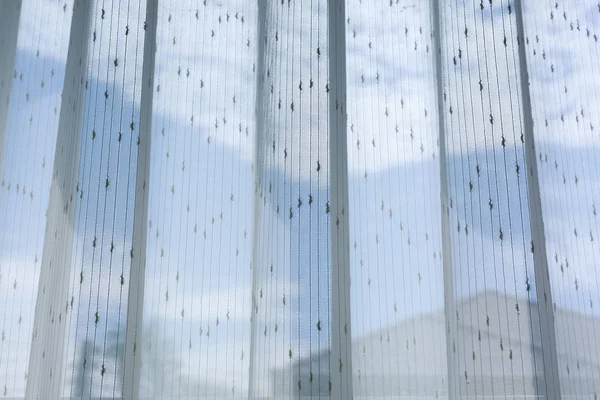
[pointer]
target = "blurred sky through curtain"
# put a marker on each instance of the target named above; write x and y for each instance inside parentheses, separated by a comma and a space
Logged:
(308, 199)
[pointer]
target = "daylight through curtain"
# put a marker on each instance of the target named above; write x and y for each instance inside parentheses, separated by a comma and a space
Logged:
(345, 199)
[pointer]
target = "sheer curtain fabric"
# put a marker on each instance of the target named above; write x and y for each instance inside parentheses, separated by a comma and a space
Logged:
(231, 199)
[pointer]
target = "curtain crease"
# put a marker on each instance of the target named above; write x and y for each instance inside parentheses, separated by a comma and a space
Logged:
(45, 374)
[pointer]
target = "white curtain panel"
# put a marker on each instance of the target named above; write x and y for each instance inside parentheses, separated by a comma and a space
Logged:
(307, 199)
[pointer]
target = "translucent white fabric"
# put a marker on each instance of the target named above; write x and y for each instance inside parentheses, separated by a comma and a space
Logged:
(312, 199)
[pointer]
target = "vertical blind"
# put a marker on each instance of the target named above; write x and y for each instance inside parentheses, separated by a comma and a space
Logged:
(299, 199)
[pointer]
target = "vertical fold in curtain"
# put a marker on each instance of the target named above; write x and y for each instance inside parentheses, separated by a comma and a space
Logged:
(501, 336)
(539, 247)
(561, 43)
(449, 304)
(259, 108)
(341, 332)
(10, 15)
(137, 277)
(30, 122)
(396, 236)
(78, 337)
(301, 337)
(193, 318)
(50, 328)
